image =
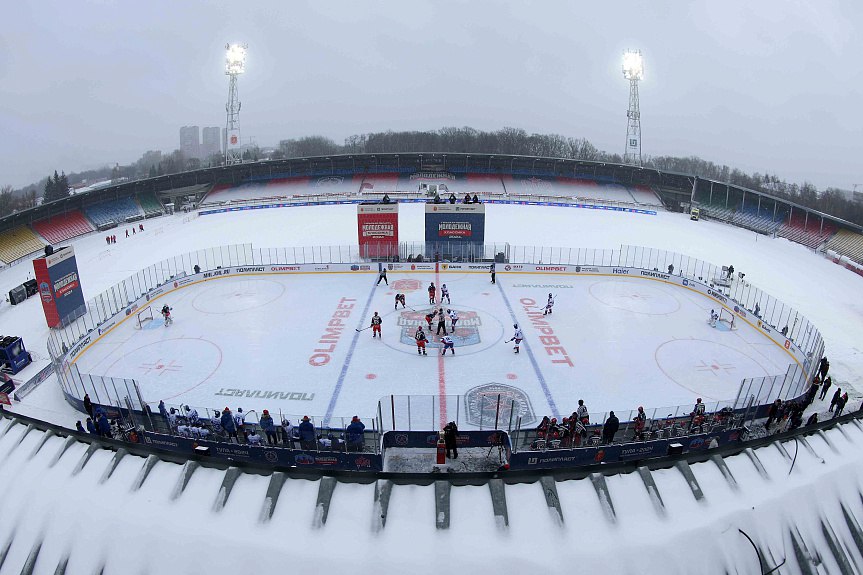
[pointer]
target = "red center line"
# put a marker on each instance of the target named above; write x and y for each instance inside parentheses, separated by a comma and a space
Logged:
(441, 374)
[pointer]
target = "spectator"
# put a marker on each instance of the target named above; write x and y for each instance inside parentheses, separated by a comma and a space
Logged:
(773, 412)
(757, 310)
(307, 434)
(796, 417)
(80, 427)
(355, 434)
(254, 437)
(813, 419)
(836, 397)
(670, 269)
(240, 423)
(840, 405)
(91, 427)
(612, 424)
(467, 198)
(828, 381)
(197, 269)
(784, 331)
(386, 199)
(475, 199)
(229, 425)
(640, 420)
(141, 227)
(288, 433)
(823, 367)
(452, 198)
(269, 427)
(813, 391)
(103, 426)
(88, 405)
(450, 438)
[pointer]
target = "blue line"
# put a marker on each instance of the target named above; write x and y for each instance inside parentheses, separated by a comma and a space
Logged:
(533, 361)
(332, 406)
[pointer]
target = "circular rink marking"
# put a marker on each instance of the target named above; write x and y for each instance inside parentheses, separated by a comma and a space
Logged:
(638, 297)
(237, 295)
(475, 330)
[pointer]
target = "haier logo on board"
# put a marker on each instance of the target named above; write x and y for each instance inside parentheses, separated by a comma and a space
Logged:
(619, 271)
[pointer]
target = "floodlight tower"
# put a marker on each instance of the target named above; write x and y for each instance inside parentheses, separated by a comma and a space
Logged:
(235, 64)
(633, 70)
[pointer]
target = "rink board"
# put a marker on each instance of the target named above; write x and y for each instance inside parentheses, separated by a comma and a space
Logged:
(284, 338)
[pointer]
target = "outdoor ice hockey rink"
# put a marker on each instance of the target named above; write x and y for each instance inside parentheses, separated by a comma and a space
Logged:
(289, 344)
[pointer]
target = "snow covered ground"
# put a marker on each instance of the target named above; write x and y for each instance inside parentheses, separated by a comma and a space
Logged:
(106, 522)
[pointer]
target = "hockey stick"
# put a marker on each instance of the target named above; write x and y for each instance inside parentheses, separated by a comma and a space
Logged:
(364, 329)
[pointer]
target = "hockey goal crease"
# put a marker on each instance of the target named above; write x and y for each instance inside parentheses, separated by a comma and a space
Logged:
(144, 316)
(727, 319)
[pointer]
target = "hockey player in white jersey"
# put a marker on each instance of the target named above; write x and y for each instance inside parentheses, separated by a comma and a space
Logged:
(453, 317)
(444, 293)
(549, 305)
(516, 337)
(714, 317)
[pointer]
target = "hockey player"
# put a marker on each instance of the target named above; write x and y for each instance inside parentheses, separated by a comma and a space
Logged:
(516, 337)
(714, 317)
(376, 325)
(400, 299)
(448, 344)
(432, 290)
(549, 305)
(430, 317)
(453, 317)
(444, 293)
(441, 322)
(382, 275)
(420, 336)
(166, 313)
(640, 420)
(582, 413)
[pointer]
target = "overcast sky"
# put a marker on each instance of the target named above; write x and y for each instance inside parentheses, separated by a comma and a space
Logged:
(768, 86)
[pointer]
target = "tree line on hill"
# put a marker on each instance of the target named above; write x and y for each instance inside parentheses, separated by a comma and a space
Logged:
(446, 140)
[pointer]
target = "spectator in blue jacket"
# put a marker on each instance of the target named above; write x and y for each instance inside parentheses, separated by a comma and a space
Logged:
(269, 427)
(355, 434)
(91, 427)
(307, 434)
(227, 421)
(104, 426)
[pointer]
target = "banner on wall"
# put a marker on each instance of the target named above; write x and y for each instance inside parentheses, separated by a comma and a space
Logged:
(378, 229)
(455, 223)
(59, 286)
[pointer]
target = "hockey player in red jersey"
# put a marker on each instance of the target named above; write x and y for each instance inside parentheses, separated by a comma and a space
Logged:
(432, 290)
(166, 313)
(430, 317)
(376, 325)
(400, 299)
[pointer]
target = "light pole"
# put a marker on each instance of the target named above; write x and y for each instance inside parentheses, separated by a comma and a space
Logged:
(235, 64)
(633, 70)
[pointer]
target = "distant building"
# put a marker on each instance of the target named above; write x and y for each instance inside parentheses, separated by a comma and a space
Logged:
(851, 195)
(211, 142)
(190, 141)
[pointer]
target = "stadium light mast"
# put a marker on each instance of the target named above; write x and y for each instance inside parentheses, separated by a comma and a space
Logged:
(235, 64)
(633, 70)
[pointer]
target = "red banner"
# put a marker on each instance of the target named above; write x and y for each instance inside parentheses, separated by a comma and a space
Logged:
(378, 229)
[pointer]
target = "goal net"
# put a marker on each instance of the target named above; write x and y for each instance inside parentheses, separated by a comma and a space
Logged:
(144, 316)
(727, 319)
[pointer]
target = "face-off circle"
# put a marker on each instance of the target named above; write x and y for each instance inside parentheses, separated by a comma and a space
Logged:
(474, 332)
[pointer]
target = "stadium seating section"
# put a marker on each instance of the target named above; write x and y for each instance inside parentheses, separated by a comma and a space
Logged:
(810, 233)
(848, 244)
(63, 227)
(150, 204)
(113, 211)
(18, 243)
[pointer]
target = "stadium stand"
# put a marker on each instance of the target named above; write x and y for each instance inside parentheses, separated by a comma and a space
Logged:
(150, 204)
(63, 227)
(645, 195)
(113, 211)
(18, 243)
(809, 234)
(847, 243)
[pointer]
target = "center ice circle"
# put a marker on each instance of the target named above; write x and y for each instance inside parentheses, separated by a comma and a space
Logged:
(635, 296)
(475, 330)
(237, 295)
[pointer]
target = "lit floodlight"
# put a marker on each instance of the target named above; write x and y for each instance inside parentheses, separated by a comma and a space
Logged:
(633, 65)
(235, 59)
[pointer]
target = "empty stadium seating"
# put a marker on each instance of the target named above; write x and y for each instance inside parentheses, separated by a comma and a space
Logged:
(113, 211)
(848, 244)
(809, 233)
(150, 204)
(63, 227)
(17, 243)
